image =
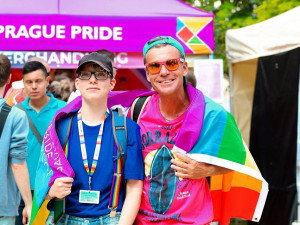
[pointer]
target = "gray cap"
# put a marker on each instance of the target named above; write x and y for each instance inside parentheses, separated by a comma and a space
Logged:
(100, 59)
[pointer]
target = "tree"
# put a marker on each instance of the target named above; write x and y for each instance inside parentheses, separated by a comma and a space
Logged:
(231, 14)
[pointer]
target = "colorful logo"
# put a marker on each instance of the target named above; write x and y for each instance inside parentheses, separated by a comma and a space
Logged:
(196, 33)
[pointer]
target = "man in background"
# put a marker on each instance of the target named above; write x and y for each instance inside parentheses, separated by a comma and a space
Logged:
(17, 93)
(40, 107)
(13, 168)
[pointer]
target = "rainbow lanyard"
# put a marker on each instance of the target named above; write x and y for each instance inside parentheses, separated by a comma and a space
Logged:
(116, 184)
(83, 148)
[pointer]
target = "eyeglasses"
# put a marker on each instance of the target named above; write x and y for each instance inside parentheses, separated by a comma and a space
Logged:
(99, 75)
(171, 65)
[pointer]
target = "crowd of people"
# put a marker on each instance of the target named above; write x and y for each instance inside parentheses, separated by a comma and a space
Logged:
(76, 163)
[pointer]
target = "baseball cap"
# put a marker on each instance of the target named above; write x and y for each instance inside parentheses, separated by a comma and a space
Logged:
(100, 59)
(163, 40)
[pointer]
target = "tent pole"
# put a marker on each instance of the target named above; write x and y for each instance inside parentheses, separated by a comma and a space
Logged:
(297, 222)
(230, 88)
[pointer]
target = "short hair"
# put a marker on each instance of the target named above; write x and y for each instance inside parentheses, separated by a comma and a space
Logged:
(44, 62)
(33, 66)
(5, 67)
(110, 55)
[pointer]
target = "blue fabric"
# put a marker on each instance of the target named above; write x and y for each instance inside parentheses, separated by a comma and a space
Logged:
(41, 121)
(72, 220)
(13, 150)
(102, 178)
(7, 220)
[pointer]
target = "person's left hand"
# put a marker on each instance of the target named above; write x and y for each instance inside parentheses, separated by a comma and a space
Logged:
(189, 168)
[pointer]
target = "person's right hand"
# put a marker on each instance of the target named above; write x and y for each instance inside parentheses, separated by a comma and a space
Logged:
(26, 214)
(61, 187)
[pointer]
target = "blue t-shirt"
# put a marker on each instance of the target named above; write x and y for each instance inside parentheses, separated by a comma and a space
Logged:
(41, 121)
(102, 178)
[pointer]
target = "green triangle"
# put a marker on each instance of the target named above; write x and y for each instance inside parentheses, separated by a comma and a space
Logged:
(195, 40)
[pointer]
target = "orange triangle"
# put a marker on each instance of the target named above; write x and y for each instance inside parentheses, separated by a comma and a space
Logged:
(200, 49)
(196, 23)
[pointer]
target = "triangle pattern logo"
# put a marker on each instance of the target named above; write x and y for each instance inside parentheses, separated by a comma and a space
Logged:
(189, 30)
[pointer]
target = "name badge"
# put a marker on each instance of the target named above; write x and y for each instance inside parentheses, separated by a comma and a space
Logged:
(88, 196)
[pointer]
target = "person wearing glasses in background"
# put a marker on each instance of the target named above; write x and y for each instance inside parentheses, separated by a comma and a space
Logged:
(93, 120)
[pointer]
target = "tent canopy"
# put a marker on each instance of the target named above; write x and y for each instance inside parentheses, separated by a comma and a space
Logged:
(131, 8)
(117, 25)
(278, 34)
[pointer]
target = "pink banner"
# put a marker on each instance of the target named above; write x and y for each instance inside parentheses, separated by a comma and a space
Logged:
(90, 33)
(69, 60)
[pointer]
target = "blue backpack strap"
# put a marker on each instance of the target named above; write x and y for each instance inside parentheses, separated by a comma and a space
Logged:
(120, 132)
(120, 147)
(63, 126)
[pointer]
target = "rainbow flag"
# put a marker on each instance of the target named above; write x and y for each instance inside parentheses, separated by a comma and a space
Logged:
(238, 194)
(209, 134)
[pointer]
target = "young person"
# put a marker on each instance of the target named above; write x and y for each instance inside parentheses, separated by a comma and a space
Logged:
(40, 107)
(91, 154)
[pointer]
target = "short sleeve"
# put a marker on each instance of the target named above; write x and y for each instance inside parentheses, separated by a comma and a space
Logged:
(19, 133)
(134, 165)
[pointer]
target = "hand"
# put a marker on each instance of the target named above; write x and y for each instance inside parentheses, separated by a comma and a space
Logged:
(189, 168)
(61, 187)
(26, 214)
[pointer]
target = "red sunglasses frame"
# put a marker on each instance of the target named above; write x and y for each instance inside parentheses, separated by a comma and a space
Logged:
(179, 60)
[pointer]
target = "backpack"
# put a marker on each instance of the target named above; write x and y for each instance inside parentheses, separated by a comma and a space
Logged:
(3, 116)
(118, 124)
(120, 138)
(137, 107)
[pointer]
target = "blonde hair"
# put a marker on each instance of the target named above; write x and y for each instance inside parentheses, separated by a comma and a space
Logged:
(61, 89)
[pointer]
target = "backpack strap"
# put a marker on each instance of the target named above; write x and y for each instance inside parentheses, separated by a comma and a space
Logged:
(119, 130)
(31, 125)
(137, 107)
(120, 147)
(3, 116)
(67, 131)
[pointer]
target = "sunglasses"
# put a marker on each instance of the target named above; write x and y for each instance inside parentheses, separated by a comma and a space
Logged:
(99, 75)
(171, 65)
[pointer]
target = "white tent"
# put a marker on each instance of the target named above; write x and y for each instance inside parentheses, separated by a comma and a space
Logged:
(243, 48)
(264, 69)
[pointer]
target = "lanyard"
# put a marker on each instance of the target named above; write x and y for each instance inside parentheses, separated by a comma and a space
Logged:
(83, 148)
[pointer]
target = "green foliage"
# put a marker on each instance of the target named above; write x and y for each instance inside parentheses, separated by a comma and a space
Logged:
(232, 14)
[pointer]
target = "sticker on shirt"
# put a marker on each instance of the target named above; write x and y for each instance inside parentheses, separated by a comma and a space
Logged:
(88, 196)
(163, 181)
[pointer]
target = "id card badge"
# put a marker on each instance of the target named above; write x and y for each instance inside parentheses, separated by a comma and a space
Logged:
(88, 196)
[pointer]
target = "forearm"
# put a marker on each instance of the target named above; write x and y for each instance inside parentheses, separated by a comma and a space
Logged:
(132, 202)
(215, 170)
(186, 167)
(21, 176)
